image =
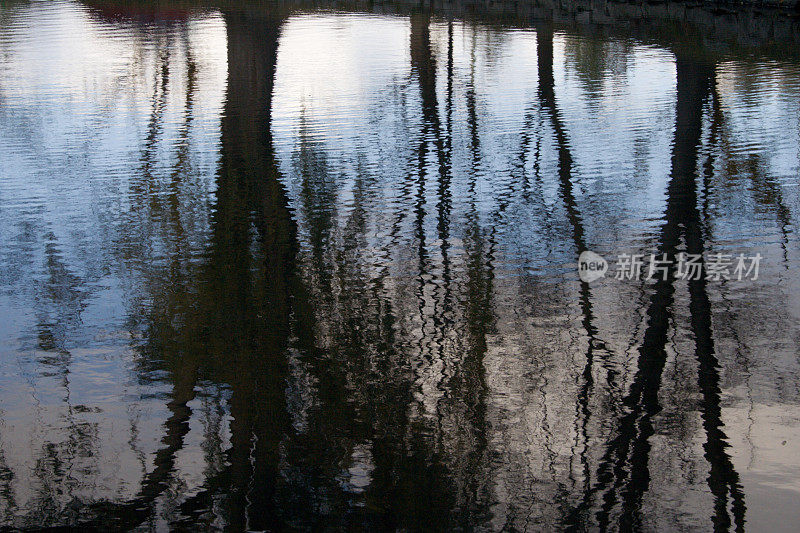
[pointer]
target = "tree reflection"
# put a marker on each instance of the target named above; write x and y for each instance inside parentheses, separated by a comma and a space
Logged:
(624, 475)
(595, 347)
(227, 320)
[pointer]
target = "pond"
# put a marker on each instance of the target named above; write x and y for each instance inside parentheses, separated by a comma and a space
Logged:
(284, 266)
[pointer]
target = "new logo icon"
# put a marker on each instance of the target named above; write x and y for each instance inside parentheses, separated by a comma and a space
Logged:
(591, 266)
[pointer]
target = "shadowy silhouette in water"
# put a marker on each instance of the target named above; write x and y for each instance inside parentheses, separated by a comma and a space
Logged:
(623, 476)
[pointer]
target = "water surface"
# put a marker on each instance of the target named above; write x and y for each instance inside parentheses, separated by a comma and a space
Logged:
(265, 268)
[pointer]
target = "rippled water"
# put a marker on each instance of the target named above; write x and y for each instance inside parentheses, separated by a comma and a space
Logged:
(289, 267)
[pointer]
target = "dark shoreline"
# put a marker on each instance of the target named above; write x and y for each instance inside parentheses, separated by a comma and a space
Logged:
(768, 28)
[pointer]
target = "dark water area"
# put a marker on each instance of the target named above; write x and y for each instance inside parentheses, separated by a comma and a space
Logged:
(288, 267)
